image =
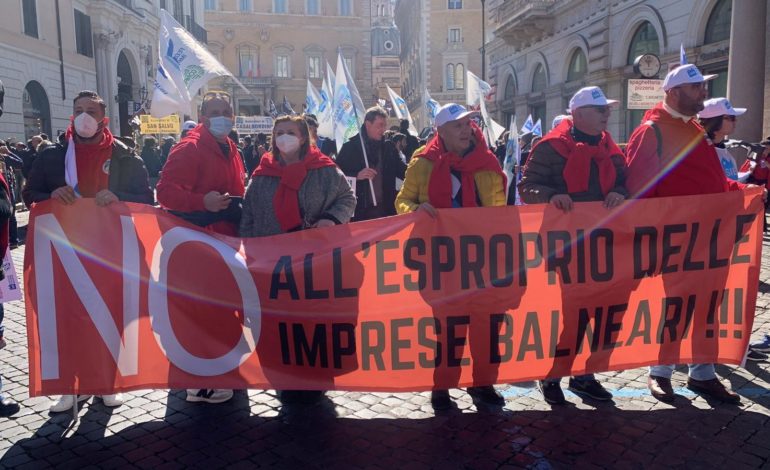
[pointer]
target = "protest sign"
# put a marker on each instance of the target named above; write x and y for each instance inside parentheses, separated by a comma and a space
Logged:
(477, 296)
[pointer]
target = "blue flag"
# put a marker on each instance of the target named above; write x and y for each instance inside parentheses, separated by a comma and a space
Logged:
(287, 107)
(682, 55)
(272, 110)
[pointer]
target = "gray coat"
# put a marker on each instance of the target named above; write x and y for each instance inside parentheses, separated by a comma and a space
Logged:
(325, 194)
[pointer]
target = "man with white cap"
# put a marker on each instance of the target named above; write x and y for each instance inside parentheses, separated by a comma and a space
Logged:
(456, 169)
(669, 155)
(577, 161)
(718, 118)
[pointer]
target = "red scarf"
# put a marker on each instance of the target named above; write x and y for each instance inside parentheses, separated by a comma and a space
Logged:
(286, 200)
(90, 160)
(440, 185)
(577, 170)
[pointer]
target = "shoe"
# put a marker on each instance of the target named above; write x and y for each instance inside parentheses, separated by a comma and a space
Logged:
(551, 392)
(761, 346)
(8, 407)
(486, 394)
(440, 400)
(713, 388)
(590, 388)
(209, 395)
(754, 355)
(66, 402)
(113, 400)
(660, 388)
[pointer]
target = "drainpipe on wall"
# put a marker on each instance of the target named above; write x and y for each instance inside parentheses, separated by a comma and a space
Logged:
(61, 52)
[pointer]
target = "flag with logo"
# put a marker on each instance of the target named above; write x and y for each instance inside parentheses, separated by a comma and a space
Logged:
(401, 109)
(432, 107)
(324, 114)
(537, 129)
(287, 107)
(184, 66)
(476, 89)
(312, 99)
(512, 159)
(528, 125)
(272, 110)
(348, 109)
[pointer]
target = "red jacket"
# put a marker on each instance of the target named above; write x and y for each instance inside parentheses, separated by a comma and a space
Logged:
(195, 167)
(681, 163)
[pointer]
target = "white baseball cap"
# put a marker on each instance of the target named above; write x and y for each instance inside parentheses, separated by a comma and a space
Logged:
(683, 75)
(189, 125)
(451, 112)
(719, 107)
(589, 96)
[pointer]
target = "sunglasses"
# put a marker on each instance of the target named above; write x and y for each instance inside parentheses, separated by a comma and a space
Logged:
(217, 95)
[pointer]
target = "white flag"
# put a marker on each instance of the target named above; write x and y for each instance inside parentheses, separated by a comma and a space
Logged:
(312, 99)
(476, 89)
(331, 77)
(512, 158)
(184, 66)
(325, 121)
(528, 125)
(492, 130)
(401, 109)
(432, 107)
(538, 129)
(348, 109)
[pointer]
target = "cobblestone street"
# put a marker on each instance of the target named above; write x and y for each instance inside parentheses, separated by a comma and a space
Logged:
(159, 429)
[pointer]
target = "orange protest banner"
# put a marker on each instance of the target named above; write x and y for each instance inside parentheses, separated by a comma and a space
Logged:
(129, 297)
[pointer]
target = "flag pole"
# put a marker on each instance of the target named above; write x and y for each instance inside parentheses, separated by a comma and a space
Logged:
(366, 159)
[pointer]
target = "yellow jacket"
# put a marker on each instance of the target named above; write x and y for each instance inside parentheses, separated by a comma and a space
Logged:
(489, 186)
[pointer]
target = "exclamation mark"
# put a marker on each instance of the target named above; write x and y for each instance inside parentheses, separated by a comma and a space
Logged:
(712, 313)
(738, 301)
(723, 312)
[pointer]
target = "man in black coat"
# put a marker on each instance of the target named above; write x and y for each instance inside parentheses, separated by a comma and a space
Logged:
(412, 143)
(385, 165)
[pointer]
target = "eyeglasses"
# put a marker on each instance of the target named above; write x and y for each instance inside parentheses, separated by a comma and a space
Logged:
(729, 117)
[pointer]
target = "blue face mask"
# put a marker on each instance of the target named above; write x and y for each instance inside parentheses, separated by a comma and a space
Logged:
(220, 126)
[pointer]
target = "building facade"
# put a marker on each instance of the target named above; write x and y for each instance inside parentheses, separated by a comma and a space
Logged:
(441, 40)
(52, 49)
(544, 50)
(386, 49)
(274, 46)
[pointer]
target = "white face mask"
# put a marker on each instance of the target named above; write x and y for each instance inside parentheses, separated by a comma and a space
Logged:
(85, 125)
(220, 126)
(287, 143)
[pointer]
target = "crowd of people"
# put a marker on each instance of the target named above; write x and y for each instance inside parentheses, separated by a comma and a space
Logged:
(293, 180)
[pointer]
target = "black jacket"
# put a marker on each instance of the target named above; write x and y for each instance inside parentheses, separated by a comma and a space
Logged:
(351, 161)
(128, 175)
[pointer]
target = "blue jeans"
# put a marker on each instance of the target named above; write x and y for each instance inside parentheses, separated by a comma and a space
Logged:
(578, 378)
(695, 372)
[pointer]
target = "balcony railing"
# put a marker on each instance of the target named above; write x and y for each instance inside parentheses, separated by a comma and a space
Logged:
(129, 5)
(521, 21)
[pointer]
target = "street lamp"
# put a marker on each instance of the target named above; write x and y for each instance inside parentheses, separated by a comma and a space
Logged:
(483, 42)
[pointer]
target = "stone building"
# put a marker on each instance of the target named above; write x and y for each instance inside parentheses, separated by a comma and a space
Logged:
(274, 46)
(544, 50)
(51, 49)
(440, 39)
(386, 49)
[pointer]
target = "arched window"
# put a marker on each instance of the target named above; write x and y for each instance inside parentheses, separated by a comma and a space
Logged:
(459, 77)
(450, 76)
(510, 88)
(578, 66)
(645, 41)
(718, 26)
(539, 80)
(35, 109)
